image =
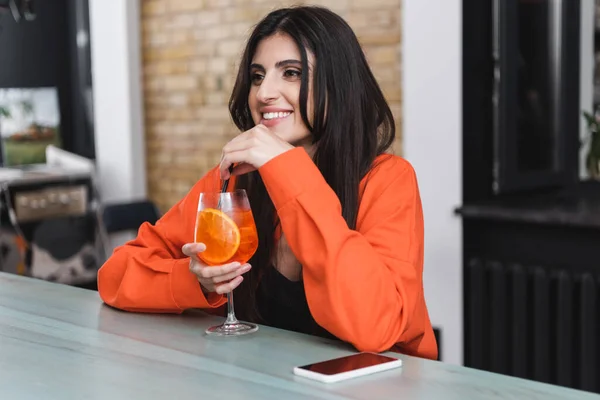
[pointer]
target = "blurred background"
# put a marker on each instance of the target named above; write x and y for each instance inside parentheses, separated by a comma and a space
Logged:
(111, 110)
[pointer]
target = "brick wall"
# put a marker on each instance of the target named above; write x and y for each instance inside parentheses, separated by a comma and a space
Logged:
(190, 51)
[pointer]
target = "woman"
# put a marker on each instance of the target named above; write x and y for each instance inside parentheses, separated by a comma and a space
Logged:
(340, 223)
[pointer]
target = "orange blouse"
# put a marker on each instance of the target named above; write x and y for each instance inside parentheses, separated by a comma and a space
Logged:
(364, 286)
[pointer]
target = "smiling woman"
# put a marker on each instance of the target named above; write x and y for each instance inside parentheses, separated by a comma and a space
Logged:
(339, 221)
(275, 92)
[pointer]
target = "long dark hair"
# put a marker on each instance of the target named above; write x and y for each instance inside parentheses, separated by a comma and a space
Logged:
(352, 122)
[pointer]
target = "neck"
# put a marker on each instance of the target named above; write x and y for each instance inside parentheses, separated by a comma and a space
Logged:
(309, 146)
(310, 150)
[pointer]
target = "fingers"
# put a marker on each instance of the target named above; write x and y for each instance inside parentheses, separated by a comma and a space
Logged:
(205, 272)
(243, 168)
(229, 276)
(192, 249)
(222, 279)
(229, 159)
(260, 128)
(228, 287)
(240, 150)
(252, 134)
(239, 143)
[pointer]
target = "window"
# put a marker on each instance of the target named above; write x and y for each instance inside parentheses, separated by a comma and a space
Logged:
(535, 94)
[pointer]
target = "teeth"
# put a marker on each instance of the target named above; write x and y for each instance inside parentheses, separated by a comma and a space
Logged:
(273, 115)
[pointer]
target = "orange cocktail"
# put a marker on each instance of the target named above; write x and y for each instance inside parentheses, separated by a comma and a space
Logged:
(228, 236)
(224, 223)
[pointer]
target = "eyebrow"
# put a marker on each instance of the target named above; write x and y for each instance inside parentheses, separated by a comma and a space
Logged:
(279, 64)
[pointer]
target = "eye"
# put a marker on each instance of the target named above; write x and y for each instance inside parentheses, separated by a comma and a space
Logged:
(292, 73)
(256, 78)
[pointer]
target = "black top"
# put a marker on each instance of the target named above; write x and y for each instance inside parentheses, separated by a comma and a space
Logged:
(282, 304)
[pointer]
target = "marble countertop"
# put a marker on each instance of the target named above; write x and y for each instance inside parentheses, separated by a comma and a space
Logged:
(62, 342)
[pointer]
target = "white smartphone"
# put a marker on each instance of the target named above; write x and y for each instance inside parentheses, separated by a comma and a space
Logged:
(352, 366)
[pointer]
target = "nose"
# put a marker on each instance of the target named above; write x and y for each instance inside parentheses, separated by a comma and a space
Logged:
(268, 90)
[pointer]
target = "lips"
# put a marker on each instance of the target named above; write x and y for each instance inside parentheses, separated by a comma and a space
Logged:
(273, 117)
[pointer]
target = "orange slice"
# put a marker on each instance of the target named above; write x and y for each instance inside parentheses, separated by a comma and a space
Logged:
(219, 233)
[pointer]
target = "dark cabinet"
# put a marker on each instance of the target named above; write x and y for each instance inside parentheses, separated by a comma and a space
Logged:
(531, 228)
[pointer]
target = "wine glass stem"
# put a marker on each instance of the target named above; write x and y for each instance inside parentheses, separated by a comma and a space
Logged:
(231, 319)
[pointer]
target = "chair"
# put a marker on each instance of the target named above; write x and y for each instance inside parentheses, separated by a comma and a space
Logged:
(130, 216)
(117, 221)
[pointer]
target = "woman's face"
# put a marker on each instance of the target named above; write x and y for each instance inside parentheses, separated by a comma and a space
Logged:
(275, 74)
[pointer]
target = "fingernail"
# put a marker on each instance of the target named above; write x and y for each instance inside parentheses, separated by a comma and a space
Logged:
(246, 268)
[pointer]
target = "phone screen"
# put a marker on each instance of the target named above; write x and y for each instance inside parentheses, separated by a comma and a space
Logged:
(348, 363)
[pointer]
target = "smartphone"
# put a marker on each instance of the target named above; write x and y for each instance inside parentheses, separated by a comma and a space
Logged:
(347, 367)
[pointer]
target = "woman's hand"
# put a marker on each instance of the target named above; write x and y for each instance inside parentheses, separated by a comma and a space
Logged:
(222, 279)
(251, 150)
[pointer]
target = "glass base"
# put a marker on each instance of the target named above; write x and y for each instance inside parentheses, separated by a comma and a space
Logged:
(236, 328)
